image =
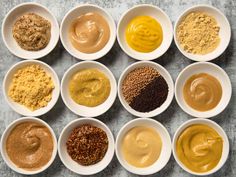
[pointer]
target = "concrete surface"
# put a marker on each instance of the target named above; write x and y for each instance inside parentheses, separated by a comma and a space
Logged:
(117, 61)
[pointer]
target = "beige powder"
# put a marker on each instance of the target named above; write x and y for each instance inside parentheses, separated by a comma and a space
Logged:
(198, 33)
(32, 87)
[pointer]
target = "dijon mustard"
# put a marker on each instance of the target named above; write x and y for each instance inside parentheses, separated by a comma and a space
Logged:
(89, 87)
(199, 147)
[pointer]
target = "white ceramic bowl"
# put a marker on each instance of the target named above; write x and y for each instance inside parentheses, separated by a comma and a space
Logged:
(4, 152)
(160, 16)
(73, 165)
(165, 151)
(9, 21)
(212, 69)
(225, 32)
(20, 108)
(84, 110)
(165, 74)
(72, 15)
(217, 128)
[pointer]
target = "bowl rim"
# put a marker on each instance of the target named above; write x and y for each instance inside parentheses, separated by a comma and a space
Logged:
(14, 124)
(111, 31)
(148, 58)
(184, 13)
(82, 63)
(56, 84)
(133, 122)
(19, 6)
(136, 65)
(209, 123)
(204, 63)
(79, 121)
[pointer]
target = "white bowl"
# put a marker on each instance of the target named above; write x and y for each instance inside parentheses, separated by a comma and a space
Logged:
(4, 152)
(73, 165)
(160, 16)
(212, 69)
(84, 110)
(20, 108)
(217, 128)
(72, 15)
(9, 21)
(225, 32)
(165, 74)
(165, 151)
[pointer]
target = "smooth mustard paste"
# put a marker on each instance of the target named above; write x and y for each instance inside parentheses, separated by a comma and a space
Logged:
(199, 148)
(89, 87)
(144, 34)
(89, 33)
(30, 145)
(202, 92)
(141, 146)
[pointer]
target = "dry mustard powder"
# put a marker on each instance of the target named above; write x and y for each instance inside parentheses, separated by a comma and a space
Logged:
(32, 87)
(198, 33)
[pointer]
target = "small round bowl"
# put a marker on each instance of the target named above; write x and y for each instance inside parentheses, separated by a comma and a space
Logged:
(4, 152)
(165, 74)
(217, 128)
(84, 110)
(212, 69)
(160, 16)
(72, 15)
(165, 151)
(225, 32)
(73, 165)
(21, 109)
(9, 21)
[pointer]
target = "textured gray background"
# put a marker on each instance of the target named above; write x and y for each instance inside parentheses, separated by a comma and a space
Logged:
(117, 61)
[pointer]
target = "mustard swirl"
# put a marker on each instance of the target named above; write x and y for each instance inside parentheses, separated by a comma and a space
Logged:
(144, 34)
(199, 147)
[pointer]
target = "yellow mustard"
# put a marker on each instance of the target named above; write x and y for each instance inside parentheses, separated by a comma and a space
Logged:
(89, 87)
(144, 34)
(141, 146)
(199, 148)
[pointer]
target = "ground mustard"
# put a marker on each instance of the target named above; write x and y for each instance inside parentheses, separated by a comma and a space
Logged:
(144, 34)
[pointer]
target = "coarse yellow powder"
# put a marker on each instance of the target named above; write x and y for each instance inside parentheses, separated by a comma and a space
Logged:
(32, 87)
(198, 33)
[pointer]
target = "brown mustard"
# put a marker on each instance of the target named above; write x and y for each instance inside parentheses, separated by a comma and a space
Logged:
(89, 33)
(30, 145)
(202, 92)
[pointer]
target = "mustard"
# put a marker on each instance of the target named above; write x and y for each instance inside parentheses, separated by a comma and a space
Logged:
(144, 34)
(141, 146)
(199, 147)
(89, 87)
(202, 92)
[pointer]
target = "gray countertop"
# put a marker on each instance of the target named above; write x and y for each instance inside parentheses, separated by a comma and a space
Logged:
(117, 61)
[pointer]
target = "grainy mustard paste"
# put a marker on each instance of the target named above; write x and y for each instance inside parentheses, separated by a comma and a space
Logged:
(199, 148)
(32, 87)
(89, 87)
(144, 34)
(202, 92)
(32, 32)
(141, 146)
